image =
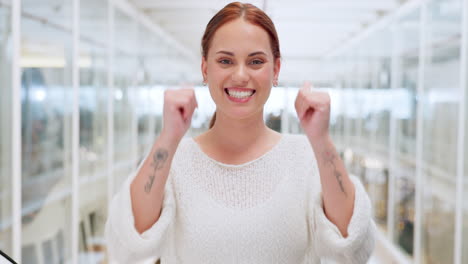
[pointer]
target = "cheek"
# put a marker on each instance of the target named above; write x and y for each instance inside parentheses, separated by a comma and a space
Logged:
(216, 74)
(264, 76)
(264, 79)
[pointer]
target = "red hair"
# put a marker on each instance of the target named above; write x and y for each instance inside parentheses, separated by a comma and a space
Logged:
(249, 13)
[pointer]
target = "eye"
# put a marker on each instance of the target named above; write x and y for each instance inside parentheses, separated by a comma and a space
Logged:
(225, 61)
(256, 62)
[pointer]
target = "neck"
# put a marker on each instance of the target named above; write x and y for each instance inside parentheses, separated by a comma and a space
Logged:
(236, 135)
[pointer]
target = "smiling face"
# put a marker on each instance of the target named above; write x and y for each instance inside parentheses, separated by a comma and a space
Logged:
(240, 69)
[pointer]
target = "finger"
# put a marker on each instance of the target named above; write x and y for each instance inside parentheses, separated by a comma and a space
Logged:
(304, 112)
(301, 106)
(299, 102)
(194, 101)
(189, 94)
(181, 111)
(190, 115)
(188, 111)
(192, 106)
(318, 100)
(312, 101)
(182, 107)
(307, 86)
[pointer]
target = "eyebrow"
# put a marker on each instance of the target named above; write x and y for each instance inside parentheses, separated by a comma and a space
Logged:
(232, 53)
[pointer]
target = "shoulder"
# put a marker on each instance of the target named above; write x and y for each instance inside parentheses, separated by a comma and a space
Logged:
(295, 138)
(298, 144)
(185, 142)
(185, 151)
(296, 150)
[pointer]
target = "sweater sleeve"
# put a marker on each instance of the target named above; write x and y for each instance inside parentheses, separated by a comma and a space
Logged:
(124, 243)
(358, 246)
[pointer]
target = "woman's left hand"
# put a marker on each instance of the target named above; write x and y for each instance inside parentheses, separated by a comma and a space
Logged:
(313, 110)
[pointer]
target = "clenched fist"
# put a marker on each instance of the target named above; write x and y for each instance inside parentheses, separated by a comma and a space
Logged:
(313, 110)
(179, 106)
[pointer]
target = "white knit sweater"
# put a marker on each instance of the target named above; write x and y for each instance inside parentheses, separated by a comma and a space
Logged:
(268, 210)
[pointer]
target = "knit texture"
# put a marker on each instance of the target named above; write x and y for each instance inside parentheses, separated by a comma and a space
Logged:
(268, 210)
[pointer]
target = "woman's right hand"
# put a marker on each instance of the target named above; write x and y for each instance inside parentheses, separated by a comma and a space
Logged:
(179, 106)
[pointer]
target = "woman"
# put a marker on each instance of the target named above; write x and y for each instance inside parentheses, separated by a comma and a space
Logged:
(240, 192)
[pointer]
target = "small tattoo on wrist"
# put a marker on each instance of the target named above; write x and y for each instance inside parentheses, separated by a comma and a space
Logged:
(159, 158)
(330, 158)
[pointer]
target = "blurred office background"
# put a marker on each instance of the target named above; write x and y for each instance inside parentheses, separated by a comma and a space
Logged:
(81, 94)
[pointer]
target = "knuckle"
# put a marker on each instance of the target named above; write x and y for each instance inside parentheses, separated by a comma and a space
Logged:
(185, 101)
(169, 94)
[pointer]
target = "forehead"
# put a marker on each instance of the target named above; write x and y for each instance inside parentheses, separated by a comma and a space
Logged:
(240, 36)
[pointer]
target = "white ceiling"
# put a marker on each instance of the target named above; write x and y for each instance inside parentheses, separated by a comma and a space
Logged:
(308, 29)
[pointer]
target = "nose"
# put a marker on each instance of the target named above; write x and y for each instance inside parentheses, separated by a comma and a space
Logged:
(240, 76)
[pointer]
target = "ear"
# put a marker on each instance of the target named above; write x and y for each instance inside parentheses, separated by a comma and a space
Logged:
(204, 66)
(276, 68)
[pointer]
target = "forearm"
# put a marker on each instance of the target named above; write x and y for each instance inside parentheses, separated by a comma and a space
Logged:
(147, 188)
(337, 189)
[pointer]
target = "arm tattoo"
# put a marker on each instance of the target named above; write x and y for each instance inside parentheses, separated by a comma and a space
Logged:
(330, 158)
(159, 158)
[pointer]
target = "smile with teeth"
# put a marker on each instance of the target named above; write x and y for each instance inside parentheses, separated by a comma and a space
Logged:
(239, 94)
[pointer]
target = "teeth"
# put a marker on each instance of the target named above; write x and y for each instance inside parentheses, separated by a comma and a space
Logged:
(238, 94)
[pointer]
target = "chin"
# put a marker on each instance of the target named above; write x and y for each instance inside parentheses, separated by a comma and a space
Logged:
(240, 113)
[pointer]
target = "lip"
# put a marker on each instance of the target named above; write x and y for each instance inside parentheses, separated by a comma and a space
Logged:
(239, 89)
(239, 100)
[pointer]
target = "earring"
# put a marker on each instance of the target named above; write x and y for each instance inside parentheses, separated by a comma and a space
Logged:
(204, 83)
(275, 83)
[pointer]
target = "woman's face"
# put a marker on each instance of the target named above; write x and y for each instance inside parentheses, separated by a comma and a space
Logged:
(240, 69)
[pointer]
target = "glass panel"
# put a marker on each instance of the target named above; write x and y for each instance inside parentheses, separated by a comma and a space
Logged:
(201, 117)
(93, 87)
(156, 98)
(346, 98)
(382, 115)
(29, 254)
(360, 71)
(46, 121)
(125, 83)
(407, 39)
(293, 121)
(337, 109)
(153, 72)
(93, 129)
(353, 111)
(47, 252)
(440, 120)
(274, 108)
(60, 248)
(465, 189)
(367, 101)
(373, 101)
(5, 128)
(465, 179)
(141, 96)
